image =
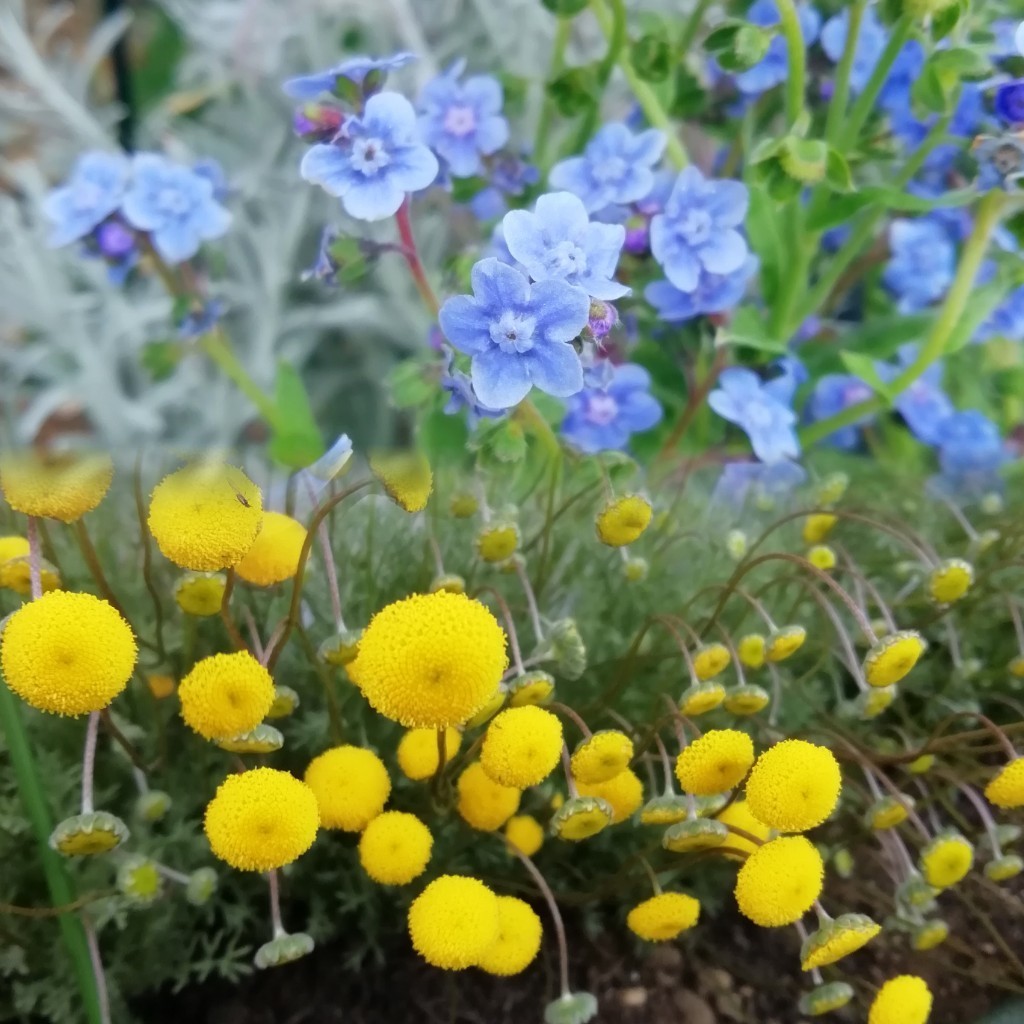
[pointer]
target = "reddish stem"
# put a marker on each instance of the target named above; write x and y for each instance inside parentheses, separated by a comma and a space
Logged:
(412, 257)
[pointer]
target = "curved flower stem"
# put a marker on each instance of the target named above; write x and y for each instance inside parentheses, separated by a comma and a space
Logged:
(89, 761)
(651, 876)
(564, 709)
(692, 27)
(225, 613)
(324, 537)
(983, 812)
(96, 568)
(275, 905)
(796, 79)
(531, 603)
(147, 558)
(694, 402)
(556, 916)
(841, 94)
(254, 635)
(652, 107)
(990, 210)
(666, 763)
(510, 628)
(35, 573)
(412, 257)
(866, 101)
(102, 996)
(570, 781)
(563, 30)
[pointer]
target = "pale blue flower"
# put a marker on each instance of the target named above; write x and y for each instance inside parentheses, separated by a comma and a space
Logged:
(1007, 321)
(715, 293)
(519, 335)
(616, 167)
(375, 161)
(601, 419)
(765, 484)
(462, 121)
(833, 393)
(970, 454)
(355, 69)
(871, 40)
(90, 195)
(174, 205)
(924, 406)
(461, 394)
(741, 398)
(697, 233)
(773, 68)
(922, 263)
(558, 242)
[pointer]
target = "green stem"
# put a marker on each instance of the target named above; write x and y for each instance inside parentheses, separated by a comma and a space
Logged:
(989, 211)
(866, 101)
(656, 114)
(215, 345)
(841, 95)
(692, 27)
(30, 788)
(616, 47)
(563, 30)
(796, 80)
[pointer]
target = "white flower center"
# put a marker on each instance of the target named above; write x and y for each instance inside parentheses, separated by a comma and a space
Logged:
(611, 170)
(369, 156)
(172, 201)
(460, 120)
(695, 226)
(513, 332)
(601, 410)
(565, 260)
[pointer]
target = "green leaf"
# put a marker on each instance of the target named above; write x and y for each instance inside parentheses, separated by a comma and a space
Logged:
(960, 63)
(409, 386)
(805, 159)
(507, 441)
(738, 45)
(651, 55)
(574, 91)
(749, 328)
(928, 92)
(443, 437)
(837, 171)
(944, 21)
(565, 8)
(296, 440)
(880, 337)
(863, 366)
(894, 199)
(765, 239)
(688, 95)
(984, 302)
(838, 210)
(161, 358)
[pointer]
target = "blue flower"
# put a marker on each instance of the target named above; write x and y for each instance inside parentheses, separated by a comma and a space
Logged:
(965, 123)
(461, 394)
(833, 393)
(92, 193)
(603, 419)
(766, 484)
(906, 69)
(355, 69)
(773, 68)
(697, 233)
(970, 454)
(557, 242)
(1007, 321)
(616, 167)
(871, 42)
(201, 320)
(211, 170)
(461, 121)
(742, 399)
(518, 334)
(175, 205)
(924, 406)
(375, 160)
(715, 293)
(792, 373)
(1000, 161)
(1009, 103)
(922, 264)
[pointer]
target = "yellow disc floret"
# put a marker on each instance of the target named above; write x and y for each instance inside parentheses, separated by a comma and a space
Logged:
(522, 746)
(751, 650)
(395, 848)
(624, 793)
(15, 573)
(822, 557)
(602, 756)
(68, 654)
(430, 660)
(200, 593)
(418, 752)
(902, 1000)
(525, 834)
(226, 695)
(837, 939)
(623, 520)
(946, 860)
(274, 555)
(739, 815)
(497, 542)
(351, 786)
(664, 916)
(700, 698)
(261, 819)
(784, 643)
(715, 762)
(406, 477)
(950, 580)
(818, 526)
(893, 657)
(794, 786)
(780, 881)
(484, 803)
(205, 516)
(60, 485)
(518, 942)
(710, 660)
(454, 922)
(1006, 789)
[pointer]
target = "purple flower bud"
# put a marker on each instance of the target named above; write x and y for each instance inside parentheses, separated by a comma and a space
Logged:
(317, 122)
(603, 317)
(114, 239)
(638, 236)
(1009, 103)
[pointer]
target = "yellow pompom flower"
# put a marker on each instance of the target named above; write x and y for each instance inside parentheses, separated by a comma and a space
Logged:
(1006, 789)
(226, 695)
(746, 700)
(406, 477)
(454, 922)
(794, 786)
(525, 834)
(418, 748)
(601, 757)
(837, 939)
(205, 516)
(946, 860)
(580, 818)
(623, 792)
(739, 815)
(497, 542)
(950, 580)
(785, 642)
(15, 571)
(67, 654)
(663, 917)
(902, 1000)
(893, 657)
(395, 848)
(751, 650)
(518, 942)
(483, 803)
(929, 935)
(818, 526)
(521, 746)
(822, 557)
(623, 520)
(715, 762)
(200, 593)
(430, 660)
(58, 485)
(261, 819)
(274, 556)
(710, 660)
(779, 882)
(351, 786)
(700, 698)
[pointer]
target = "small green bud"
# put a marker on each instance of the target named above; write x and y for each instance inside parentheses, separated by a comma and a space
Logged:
(572, 1008)
(635, 569)
(286, 700)
(825, 998)
(342, 648)
(139, 880)
(202, 884)
(153, 805)
(567, 648)
(697, 834)
(736, 544)
(86, 835)
(283, 949)
(1002, 869)
(264, 739)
